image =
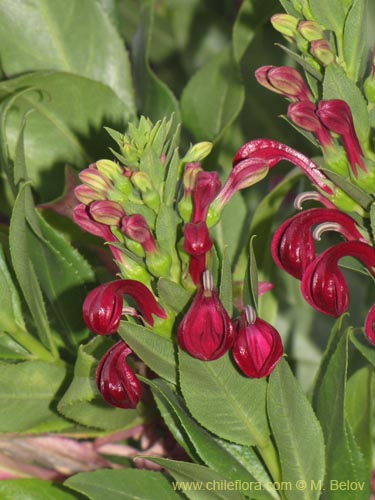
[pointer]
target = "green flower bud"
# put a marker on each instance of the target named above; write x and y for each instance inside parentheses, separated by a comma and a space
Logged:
(285, 24)
(185, 208)
(158, 263)
(142, 181)
(310, 30)
(109, 168)
(133, 271)
(135, 247)
(198, 152)
(322, 51)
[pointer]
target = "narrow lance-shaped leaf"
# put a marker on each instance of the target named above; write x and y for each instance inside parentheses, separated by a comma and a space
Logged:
(297, 433)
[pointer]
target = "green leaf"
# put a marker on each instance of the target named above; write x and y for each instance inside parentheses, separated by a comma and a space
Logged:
(63, 275)
(156, 351)
(330, 14)
(128, 484)
(10, 349)
(91, 48)
(196, 481)
(355, 39)
(155, 99)
(362, 344)
(27, 392)
(24, 269)
(297, 433)
(358, 405)
(362, 198)
(225, 287)
(336, 85)
(250, 290)
(34, 489)
(211, 450)
(173, 294)
(251, 17)
(224, 402)
(207, 110)
(66, 125)
(82, 401)
(344, 462)
(10, 312)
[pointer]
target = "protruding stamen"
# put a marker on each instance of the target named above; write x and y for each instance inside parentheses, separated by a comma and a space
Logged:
(327, 226)
(129, 311)
(208, 281)
(311, 195)
(250, 314)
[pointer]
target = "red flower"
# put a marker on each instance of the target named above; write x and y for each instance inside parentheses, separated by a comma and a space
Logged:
(206, 331)
(206, 187)
(197, 242)
(116, 381)
(293, 247)
(323, 284)
(337, 117)
(103, 306)
(284, 80)
(136, 227)
(258, 346)
(274, 152)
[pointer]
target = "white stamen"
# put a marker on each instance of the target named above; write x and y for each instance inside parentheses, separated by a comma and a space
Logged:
(208, 281)
(250, 314)
(326, 226)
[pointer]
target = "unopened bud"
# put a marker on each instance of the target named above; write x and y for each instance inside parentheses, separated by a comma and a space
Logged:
(86, 195)
(322, 51)
(95, 180)
(106, 212)
(158, 263)
(310, 30)
(285, 24)
(142, 181)
(109, 168)
(198, 152)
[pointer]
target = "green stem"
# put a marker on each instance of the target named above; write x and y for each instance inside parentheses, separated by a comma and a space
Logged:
(271, 459)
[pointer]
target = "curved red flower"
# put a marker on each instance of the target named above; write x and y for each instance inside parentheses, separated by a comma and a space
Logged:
(274, 152)
(116, 381)
(102, 308)
(293, 246)
(323, 284)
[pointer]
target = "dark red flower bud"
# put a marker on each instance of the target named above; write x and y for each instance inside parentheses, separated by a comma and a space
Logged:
(197, 242)
(136, 227)
(284, 80)
(197, 239)
(115, 379)
(274, 152)
(81, 216)
(206, 187)
(103, 306)
(337, 116)
(303, 114)
(293, 246)
(206, 331)
(258, 346)
(243, 175)
(323, 284)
